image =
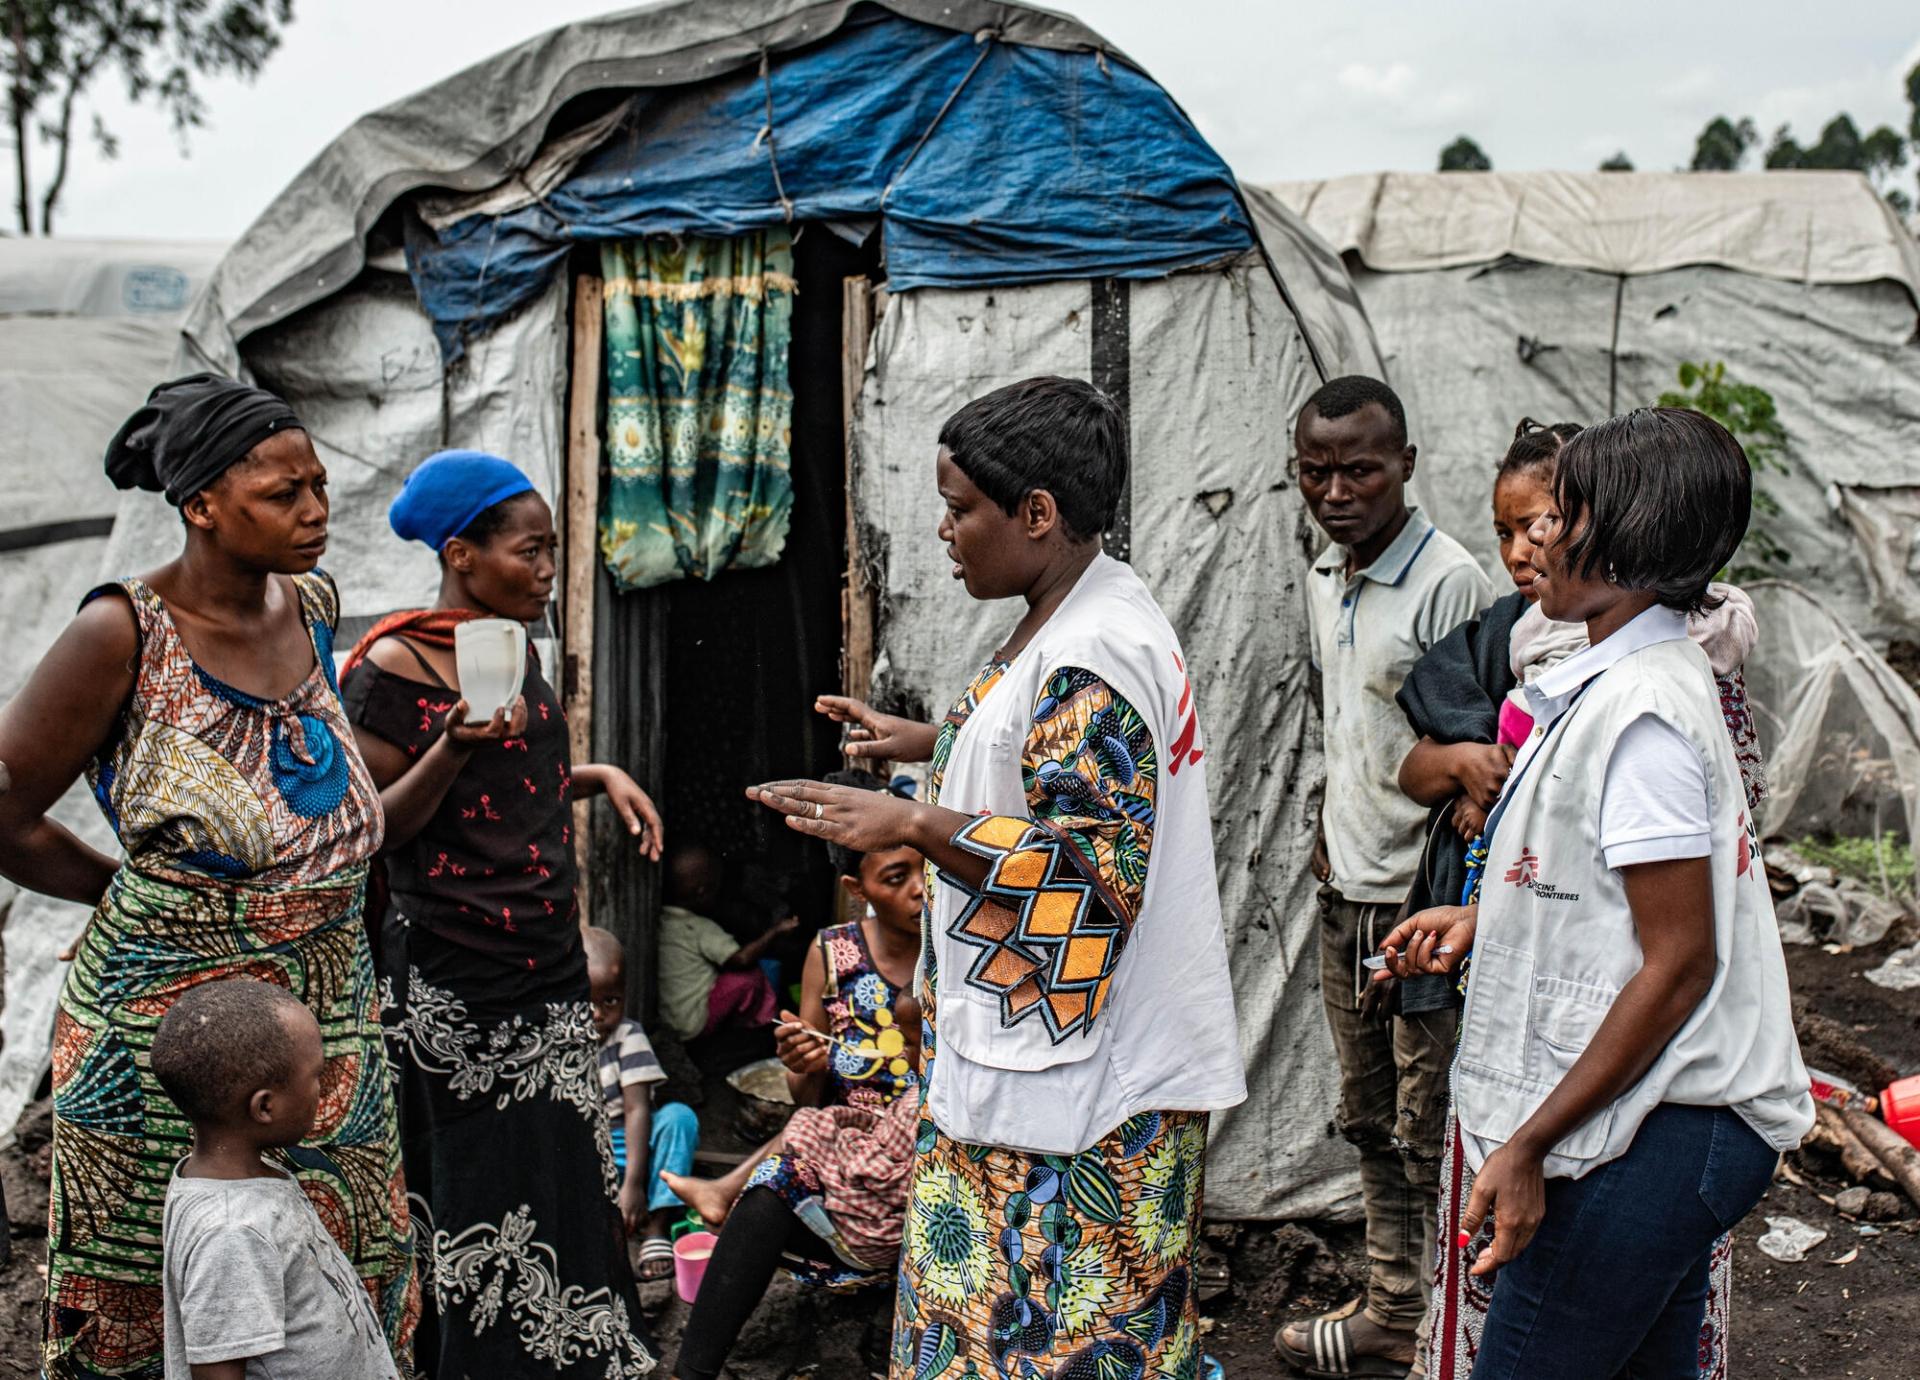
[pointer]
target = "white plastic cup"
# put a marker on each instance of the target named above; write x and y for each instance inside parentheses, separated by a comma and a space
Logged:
(491, 655)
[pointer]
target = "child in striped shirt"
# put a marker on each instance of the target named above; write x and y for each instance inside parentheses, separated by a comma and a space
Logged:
(647, 1140)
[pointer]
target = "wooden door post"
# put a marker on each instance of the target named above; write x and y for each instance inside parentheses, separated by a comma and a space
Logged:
(582, 543)
(857, 613)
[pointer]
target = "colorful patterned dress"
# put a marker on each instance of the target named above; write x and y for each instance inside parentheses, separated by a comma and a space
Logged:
(867, 1070)
(1066, 1267)
(484, 987)
(247, 824)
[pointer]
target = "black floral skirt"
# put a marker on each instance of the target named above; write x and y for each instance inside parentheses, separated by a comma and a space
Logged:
(510, 1174)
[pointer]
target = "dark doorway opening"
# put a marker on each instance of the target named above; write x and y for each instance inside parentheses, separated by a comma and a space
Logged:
(703, 688)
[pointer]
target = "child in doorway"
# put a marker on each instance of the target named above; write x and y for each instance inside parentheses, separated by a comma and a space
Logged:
(708, 981)
(648, 1141)
(254, 1285)
(855, 978)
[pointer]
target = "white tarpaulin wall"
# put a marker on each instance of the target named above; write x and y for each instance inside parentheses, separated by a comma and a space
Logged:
(1574, 296)
(86, 328)
(1218, 371)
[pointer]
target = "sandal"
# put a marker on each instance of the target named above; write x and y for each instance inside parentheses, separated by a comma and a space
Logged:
(656, 1260)
(1330, 1354)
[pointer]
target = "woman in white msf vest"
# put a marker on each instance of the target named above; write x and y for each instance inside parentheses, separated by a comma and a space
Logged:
(1079, 1019)
(1627, 1073)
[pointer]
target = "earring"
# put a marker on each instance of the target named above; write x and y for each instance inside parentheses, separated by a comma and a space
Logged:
(1613, 575)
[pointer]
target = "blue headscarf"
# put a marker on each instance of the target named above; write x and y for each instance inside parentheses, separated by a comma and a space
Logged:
(443, 496)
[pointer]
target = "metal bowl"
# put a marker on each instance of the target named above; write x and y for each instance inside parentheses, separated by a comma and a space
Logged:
(765, 1103)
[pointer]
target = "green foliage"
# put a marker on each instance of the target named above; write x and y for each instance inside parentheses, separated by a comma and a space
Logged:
(1723, 144)
(1748, 411)
(1863, 860)
(1463, 155)
(1842, 147)
(51, 52)
(1618, 163)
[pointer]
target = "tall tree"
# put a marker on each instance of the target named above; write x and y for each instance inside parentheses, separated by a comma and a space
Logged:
(161, 49)
(1463, 155)
(1913, 99)
(1723, 144)
(1880, 154)
(1618, 163)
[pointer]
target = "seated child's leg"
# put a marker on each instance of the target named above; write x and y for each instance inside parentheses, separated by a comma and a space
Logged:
(675, 1136)
(742, 999)
(713, 1199)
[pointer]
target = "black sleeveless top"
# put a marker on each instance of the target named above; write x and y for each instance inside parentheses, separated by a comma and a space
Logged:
(493, 869)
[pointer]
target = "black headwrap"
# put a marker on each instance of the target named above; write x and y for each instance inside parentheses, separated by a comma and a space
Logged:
(192, 431)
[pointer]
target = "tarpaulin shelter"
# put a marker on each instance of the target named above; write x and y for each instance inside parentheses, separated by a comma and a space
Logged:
(1573, 296)
(977, 193)
(86, 327)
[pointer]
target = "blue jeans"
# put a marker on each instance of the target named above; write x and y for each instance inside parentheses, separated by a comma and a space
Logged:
(1614, 1284)
(671, 1141)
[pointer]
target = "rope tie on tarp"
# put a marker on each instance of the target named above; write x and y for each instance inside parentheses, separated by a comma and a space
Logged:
(766, 134)
(986, 38)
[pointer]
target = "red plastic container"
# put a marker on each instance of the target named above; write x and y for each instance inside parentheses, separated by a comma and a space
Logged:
(1900, 1105)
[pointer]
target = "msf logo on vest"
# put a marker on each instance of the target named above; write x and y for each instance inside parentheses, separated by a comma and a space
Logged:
(1525, 874)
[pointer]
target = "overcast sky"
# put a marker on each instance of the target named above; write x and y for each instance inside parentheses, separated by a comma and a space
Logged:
(1282, 89)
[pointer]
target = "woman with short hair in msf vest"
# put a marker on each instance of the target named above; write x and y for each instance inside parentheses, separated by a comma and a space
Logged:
(1084, 1014)
(1628, 1073)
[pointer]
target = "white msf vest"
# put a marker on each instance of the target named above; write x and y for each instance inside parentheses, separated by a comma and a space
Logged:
(1165, 1038)
(1556, 940)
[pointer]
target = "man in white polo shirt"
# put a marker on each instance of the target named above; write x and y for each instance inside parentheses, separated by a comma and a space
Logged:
(1389, 587)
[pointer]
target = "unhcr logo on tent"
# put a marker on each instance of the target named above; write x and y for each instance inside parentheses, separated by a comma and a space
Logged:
(154, 289)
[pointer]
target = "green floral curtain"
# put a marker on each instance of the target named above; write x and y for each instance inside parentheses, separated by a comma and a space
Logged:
(699, 407)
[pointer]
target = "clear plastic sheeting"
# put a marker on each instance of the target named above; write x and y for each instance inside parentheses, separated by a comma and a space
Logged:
(1840, 727)
(1217, 371)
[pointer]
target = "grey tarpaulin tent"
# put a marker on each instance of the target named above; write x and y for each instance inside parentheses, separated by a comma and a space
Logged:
(86, 326)
(1213, 360)
(1576, 295)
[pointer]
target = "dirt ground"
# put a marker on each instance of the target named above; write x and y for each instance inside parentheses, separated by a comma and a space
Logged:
(1817, 1319)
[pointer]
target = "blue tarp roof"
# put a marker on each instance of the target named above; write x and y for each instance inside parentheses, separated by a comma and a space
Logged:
(986, 161)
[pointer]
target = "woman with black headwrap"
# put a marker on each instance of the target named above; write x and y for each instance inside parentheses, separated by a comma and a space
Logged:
(201, 703)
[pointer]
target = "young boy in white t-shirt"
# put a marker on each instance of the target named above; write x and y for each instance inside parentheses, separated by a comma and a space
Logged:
(254, 1286)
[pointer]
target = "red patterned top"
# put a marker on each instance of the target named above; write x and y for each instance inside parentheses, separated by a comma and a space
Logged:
(493, 869)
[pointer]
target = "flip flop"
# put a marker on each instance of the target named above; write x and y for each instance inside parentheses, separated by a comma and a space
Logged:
(656, 1260)
(1330, 1354)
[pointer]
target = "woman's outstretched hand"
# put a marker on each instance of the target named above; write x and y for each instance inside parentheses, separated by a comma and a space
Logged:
(636, 810)
(861, 820)
(498, 729)
(882, 737)
(1433, 941)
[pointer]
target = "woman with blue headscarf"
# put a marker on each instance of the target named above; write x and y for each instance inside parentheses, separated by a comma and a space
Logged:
(483, 972)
